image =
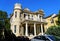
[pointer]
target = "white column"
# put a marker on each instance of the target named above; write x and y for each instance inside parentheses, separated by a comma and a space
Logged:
(38, 16)
(35, 29)
(26, 30)
(41, 26)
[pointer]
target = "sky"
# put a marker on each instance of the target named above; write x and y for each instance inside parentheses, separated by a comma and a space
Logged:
(48, 6)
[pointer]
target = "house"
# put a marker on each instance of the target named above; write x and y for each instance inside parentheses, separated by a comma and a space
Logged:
(26, 23)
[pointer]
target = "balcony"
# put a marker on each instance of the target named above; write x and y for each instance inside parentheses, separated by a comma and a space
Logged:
(34, 19)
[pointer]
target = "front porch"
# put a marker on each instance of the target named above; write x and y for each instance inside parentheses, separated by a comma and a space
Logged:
(32, 28)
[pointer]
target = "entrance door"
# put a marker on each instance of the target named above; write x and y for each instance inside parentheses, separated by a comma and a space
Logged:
(31, 30)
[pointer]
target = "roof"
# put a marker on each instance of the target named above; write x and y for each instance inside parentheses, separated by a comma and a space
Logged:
(30, 12)
(51, 16)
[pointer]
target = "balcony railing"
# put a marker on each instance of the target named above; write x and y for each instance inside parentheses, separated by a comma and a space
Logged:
(34, 19)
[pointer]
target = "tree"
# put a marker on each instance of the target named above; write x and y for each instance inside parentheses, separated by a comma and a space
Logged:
(1, 29)
(7, 23)
(58, 22)
(3, 15)
(4, 24)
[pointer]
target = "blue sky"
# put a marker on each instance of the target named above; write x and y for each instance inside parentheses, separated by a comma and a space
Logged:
(49, 6)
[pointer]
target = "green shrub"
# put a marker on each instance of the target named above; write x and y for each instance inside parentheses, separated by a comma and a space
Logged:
(54, 30)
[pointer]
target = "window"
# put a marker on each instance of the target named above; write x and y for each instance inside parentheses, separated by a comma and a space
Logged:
(52, 20)
(24, 15)
(15, 14)
(39, 16)
(32, 17)
(28, 16)
(14, 28)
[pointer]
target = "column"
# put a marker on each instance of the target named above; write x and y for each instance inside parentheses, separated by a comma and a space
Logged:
(38, 16)
(41, 26)
(35, 29)
(26, 31)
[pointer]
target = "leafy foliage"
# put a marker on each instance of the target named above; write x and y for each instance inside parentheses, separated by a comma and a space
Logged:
(5, 32)
(58, 22)
(54, 30)
(3, 15)
(4, 23)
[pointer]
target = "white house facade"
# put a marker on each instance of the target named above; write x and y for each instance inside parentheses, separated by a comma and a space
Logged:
(26, 23)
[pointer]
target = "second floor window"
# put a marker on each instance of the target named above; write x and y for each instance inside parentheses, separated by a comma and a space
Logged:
(15, 14)
(28, 16)
(32, 17)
